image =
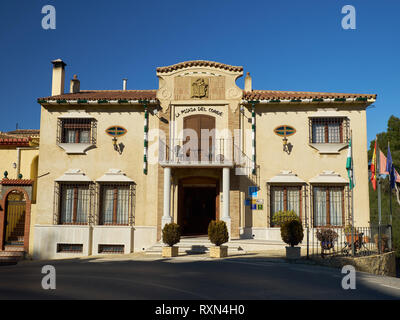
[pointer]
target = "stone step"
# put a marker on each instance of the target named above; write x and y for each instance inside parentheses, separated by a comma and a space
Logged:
(18, 254)
(195, 246)
(15, 248)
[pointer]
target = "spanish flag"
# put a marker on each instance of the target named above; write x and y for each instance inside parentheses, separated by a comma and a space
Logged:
(374, 168)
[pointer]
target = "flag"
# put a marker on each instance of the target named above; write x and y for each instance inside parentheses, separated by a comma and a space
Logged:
(383, 161)
(390, 169)
(374, 168)
(349, 167)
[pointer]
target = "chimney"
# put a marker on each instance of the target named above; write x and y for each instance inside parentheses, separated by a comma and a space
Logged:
(124, 83)
(75, 85)
(58, 83)
(247, 83)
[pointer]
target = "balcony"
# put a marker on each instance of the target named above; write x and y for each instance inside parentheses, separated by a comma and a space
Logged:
(199, 153)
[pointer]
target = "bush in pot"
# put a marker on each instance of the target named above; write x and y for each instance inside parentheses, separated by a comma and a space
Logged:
(284, 216)
(327, 237)
(218, 235)
(171, 235)
(292, 234)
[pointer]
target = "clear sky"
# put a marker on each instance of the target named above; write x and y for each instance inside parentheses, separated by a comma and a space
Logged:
(285, 45)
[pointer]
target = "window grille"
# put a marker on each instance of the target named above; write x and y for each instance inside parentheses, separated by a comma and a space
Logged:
(285, 198)
(329, 130)
(328, 206)
(111, 248)
(77, 130)
(69, 248)
(73, 203)
(116, 204)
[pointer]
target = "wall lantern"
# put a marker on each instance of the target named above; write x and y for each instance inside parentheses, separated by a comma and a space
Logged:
(285, 131)
(116, 132)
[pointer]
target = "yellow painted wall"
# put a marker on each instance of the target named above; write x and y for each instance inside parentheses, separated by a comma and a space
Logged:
(54, 161)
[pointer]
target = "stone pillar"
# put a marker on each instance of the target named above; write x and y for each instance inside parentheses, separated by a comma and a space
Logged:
(225, 198)
(166, 218)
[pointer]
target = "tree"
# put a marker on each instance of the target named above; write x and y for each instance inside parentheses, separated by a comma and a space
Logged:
(393, 136)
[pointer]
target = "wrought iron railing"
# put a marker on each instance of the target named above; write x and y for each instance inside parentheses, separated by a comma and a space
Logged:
(327, 242)
(198, 151)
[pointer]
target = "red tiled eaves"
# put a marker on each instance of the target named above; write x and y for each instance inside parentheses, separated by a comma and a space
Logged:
(92, 95)
(199, 63)
(290, 95)
(24, 142)
(19, 182)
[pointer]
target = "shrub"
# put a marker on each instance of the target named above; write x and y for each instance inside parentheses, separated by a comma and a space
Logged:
(218, 232)
(171, 234)
(326, 235)
(292, 232)
(284, 216)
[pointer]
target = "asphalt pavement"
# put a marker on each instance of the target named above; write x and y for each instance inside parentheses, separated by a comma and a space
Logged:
(142, 277)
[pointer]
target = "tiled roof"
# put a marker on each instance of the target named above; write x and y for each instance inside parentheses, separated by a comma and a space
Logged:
(24, 132)
(20, 182)
(290, 95)
(23, 142)
(92, 95)
(199, 63)
(20, 137)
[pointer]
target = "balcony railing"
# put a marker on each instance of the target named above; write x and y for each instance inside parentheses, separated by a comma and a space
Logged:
(204, 152)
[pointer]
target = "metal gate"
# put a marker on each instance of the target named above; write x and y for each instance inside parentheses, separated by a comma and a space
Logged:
(15, 218)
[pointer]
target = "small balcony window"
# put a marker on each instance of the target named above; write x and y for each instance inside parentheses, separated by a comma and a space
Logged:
(329, 130)
(77, 130)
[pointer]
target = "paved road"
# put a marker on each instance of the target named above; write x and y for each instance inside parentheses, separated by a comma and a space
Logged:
(146, 277)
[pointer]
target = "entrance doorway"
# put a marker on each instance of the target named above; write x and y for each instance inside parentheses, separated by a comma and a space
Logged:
(15, 218)
(198, 205)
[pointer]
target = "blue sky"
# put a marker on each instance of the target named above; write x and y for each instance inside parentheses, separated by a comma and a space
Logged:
(285, 45)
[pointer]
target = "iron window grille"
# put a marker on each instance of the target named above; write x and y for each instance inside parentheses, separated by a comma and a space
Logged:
(284, 198)
(77, 130)
(329, 130)
(73, 203)
(328, 206)
(115, 203)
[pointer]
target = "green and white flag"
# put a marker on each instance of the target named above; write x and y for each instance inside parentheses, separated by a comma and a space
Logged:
(349, 167)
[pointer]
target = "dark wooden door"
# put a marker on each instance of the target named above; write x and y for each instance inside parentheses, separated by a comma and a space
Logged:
(204, 151)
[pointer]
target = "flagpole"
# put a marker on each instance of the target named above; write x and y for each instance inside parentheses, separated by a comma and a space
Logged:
(390, 202)
(378, 176)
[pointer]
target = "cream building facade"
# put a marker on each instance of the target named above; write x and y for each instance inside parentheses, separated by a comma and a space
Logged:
(117, 165)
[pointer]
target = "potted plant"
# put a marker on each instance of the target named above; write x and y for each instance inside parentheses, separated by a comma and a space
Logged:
(284, 216)
(218, 235)
(348, 232)
(292, 234)
(171, 235)
(327, 237)
(384, 241)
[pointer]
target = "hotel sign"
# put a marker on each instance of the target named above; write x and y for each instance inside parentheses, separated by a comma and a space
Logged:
(187, 110)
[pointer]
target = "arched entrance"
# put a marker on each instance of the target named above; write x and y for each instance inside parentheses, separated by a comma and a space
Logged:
(15, 216)
(198, 200)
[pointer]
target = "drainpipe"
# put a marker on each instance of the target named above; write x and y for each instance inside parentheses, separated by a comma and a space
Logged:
(253, 134)
(146, 137)
(18, 162)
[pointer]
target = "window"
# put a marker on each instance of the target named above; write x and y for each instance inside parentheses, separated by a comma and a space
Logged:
(285, 199)
(75, 130)
(328, 206)
(74, 203)
(329, 130)
(115, 202)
